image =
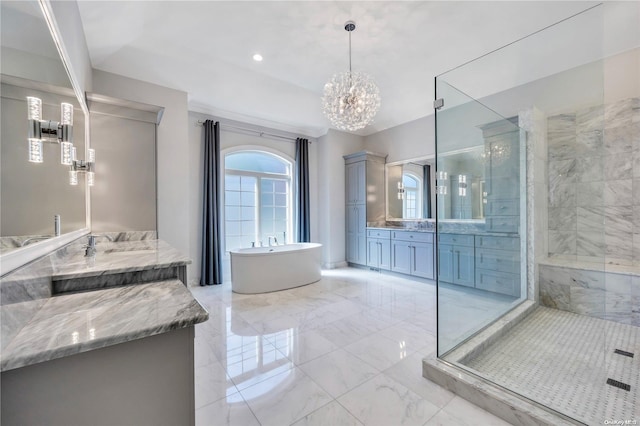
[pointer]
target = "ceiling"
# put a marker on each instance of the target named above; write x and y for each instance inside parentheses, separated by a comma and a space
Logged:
(205, 48)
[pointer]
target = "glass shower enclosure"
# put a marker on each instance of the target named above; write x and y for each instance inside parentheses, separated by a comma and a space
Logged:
(538, 216)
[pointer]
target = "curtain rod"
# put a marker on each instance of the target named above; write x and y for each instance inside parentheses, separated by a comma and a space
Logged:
(260, 133)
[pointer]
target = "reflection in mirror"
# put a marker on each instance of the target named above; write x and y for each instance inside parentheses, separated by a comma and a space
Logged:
(410, 193)
(460, 184)
(37, 202)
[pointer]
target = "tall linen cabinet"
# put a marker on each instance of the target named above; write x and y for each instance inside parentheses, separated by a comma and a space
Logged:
(365, 202)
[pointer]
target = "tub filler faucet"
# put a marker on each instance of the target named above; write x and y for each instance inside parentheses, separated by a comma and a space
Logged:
(275, 241)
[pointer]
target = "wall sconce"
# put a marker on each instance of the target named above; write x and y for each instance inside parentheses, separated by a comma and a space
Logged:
(400, 191)
(441, 175)
(441, 190)
(49, 131)
(462, 185)
(81, 166)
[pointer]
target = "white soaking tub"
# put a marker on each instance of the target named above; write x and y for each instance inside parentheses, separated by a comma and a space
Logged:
(265, 269)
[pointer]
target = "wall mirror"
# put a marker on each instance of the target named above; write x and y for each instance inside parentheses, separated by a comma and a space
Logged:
(34, 176)
(410, 189)
(460, 184)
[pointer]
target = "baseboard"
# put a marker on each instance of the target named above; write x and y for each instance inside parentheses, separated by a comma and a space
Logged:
(334, 265)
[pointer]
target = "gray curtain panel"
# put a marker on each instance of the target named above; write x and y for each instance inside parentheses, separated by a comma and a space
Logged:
(302, 176)
(211, 272)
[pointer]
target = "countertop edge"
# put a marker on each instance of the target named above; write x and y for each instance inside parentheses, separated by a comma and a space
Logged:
(97, 273)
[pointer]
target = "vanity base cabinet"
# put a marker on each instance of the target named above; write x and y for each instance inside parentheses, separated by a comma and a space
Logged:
(149, 381)
(401, 257)
(412, 253)
(456, 259)
(498, 264)
(379, 253)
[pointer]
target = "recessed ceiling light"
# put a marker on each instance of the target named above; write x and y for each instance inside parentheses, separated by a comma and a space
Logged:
(257, 57)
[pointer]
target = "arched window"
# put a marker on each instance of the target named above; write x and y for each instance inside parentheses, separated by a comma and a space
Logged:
(412, 202)
(257, 198)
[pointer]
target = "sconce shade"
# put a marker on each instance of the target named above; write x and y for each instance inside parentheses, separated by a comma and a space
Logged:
(34, 107)
(66, 153)
(91, 178)
(73, 177)
(66, 116)
(35, 151)
(91, 155)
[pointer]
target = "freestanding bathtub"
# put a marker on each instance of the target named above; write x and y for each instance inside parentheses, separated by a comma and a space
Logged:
(265, 269)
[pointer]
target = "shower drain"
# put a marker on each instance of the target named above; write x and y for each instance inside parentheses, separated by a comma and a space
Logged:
(618, 384)
(625, 353)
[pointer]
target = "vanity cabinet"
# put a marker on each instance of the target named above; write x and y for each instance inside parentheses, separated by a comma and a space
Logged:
(379, 249)
(364, 199)
(456, 260)
(498, 264)
(412, 253)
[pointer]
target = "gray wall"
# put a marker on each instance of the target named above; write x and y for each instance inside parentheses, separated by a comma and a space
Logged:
(124, 196)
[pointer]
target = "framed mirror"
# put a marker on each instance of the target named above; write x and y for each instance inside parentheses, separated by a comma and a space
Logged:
(40, 207)
(410, 189)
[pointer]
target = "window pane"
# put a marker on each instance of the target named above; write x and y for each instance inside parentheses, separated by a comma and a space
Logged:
(231, 212)
(232, 182)
(281, 200)
(266, 185)
(281, 213)
(248, 198)
(248, 213)
(266, 213)
(248, 227)
(256, 162)
(232, 198)
(280, 186)
(233, 243)
(248, 183)
(233, 227)
(267, 199)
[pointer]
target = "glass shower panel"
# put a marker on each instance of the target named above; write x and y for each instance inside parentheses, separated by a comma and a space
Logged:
(479, 162)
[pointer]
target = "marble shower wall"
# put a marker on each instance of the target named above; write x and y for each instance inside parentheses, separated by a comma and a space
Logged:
(594, 184)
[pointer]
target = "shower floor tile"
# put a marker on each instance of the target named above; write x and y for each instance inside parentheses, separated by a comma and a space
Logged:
(563, 360)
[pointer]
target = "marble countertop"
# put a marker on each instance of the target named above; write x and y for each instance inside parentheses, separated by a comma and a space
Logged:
(399, 228)
(45, 329)
(119, 257)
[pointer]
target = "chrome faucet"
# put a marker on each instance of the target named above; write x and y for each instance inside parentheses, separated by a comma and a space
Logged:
(90, 248)
(35, 238)
(275, 241)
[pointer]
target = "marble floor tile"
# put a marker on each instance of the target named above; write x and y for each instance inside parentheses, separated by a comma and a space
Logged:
(381, 352)
(285, 398)
(292, 356)
(332, 414)
(408, 373)
(338, 372)
(301, 347)
(231, 411)
(383, 401)
(212, 384)
(463, 413)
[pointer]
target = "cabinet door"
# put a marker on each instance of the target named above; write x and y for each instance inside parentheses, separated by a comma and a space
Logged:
(352, 219)
(422, 260)
(362, 249)
(361, 219)
(352, 247)
(373, 252)
(385, 254)
(401, 257)
(356, 183)
(445, 263)
(463, 266)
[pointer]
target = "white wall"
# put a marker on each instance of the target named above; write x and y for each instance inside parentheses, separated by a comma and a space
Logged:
(414, 139)
(172, 151)
(331, 193)
(67, 18)
(230, 139)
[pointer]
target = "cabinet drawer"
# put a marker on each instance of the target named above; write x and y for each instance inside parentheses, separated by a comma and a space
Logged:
(503, 207)
(423, 237)
(503, 188)
(503, 223)
(500, 243)
(498, 260)
(498, 282)
(457, 239)
(378, 233)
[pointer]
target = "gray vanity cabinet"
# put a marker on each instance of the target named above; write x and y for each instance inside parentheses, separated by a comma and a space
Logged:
(456, 260)
(379, 249)
(364, 198)
(498, 264)
(412, 253)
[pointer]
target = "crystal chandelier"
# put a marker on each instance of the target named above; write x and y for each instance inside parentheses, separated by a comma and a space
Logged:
(351, 99)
